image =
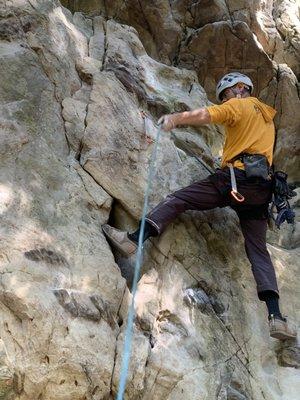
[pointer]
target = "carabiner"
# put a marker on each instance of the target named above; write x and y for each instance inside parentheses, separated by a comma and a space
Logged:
(237, 196)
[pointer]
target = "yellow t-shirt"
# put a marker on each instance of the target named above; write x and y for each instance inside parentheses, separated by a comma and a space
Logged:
(249, 128)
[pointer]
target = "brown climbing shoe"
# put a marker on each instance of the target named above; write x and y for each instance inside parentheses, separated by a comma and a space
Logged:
(120, 240)
(280, 329)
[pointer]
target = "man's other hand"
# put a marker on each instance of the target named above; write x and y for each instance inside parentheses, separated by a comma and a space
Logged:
(167, 122)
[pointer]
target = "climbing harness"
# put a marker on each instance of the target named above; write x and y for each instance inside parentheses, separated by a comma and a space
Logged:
(138, 262)
(256, 167)
(234, 193)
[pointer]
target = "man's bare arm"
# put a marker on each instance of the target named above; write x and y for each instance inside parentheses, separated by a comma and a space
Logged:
(199, 116)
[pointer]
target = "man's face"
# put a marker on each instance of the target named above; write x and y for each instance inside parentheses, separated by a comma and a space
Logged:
(234, 91)
(228, 94)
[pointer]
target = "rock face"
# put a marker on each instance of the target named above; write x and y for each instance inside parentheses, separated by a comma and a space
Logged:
(75, 148)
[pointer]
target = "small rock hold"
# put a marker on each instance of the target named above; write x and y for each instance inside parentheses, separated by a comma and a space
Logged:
(18, 382)
(152, 341)
(290, 357)
(233, 394)
(87, 68)
(10, 29)
(197, 298)
(46, 255)
(16, 305)
(6, 382)
(77, 304)
(104, 310)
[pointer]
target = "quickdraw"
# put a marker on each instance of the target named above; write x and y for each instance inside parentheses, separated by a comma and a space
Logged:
(149, 139)
(234, 192)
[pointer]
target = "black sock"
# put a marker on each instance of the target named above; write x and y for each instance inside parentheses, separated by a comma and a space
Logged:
(272, 303)
(149, 231)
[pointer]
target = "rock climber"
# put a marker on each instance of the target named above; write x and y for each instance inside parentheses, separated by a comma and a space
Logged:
(247, 156)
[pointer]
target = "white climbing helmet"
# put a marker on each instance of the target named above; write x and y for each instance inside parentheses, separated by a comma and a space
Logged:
(232, 79)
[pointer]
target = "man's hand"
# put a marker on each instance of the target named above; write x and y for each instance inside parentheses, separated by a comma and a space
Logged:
(168, 122)
(196, 117)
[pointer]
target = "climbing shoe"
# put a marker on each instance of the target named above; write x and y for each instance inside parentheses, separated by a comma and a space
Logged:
(120, 240)
(280, 329)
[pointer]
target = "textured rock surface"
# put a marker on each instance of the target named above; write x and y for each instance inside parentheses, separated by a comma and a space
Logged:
(74, 153)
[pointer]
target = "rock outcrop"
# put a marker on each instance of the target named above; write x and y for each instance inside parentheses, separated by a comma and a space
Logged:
(81, 89)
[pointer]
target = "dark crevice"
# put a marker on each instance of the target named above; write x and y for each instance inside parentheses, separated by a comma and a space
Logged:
(105, 9)
(282, 36)
(152, 341)
(229, 13)
(81, 143)
(31, 4)
(148, 26)
(64, 127)
(89, 39)
(78, 153)
(105, 45)
(176, 57)
(126, 264)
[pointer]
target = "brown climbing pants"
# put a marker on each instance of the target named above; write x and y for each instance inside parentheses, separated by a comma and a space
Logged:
(215, 192)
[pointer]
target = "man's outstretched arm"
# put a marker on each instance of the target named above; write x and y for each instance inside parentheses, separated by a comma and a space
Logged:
(196, 117)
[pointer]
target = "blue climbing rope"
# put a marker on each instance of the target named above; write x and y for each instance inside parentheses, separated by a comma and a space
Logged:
(138, 262)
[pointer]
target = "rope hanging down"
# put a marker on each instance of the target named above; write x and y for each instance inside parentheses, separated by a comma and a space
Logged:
(138, 262)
